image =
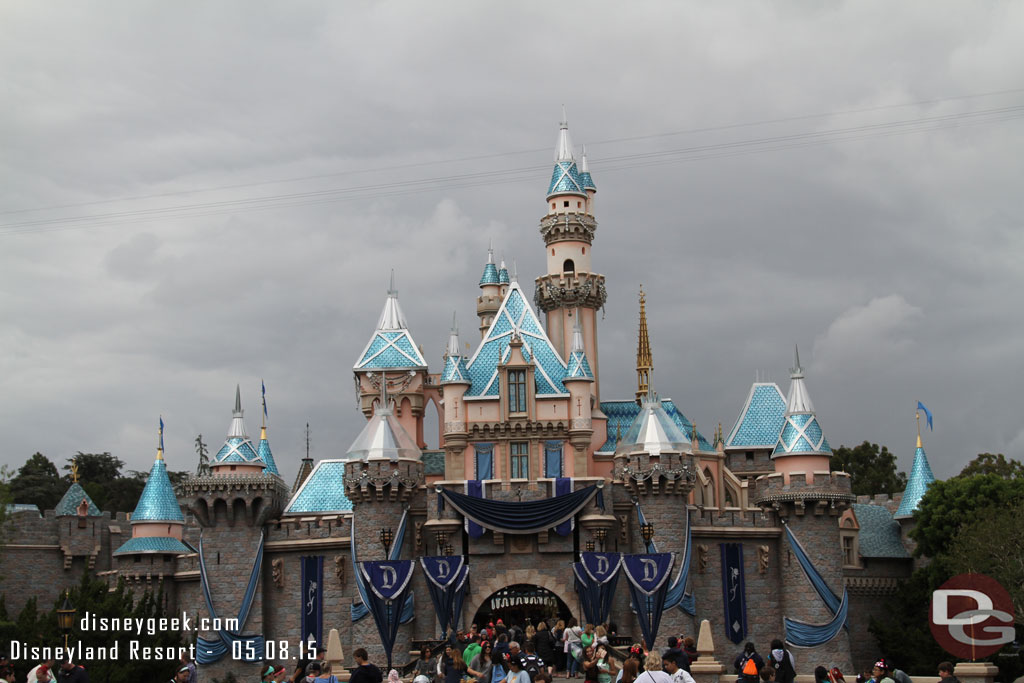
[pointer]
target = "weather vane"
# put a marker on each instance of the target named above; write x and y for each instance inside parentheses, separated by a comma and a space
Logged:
(74, 470)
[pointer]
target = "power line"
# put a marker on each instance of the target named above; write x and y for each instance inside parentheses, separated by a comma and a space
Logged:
(522, 174)
(479, 157)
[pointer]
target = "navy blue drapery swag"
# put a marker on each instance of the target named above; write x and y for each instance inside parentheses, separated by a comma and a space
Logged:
(312, 598)
(526, 517)
(446, 581)
(563, 485)
(474, 489)
(210, 651)
(389, 583)
(648, 583)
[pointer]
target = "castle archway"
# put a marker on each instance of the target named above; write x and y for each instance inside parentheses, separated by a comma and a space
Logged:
(518, 593)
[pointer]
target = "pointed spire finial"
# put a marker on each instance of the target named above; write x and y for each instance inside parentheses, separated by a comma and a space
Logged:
(515, 271)
(238, 400)
(391, 286)
(584, 166)
(796, 372)
(490, 252)
(563, 150)
(160, 445)
(644, 357)
(565, 118)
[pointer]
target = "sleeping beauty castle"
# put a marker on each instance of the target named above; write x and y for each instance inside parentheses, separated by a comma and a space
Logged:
(546, 498)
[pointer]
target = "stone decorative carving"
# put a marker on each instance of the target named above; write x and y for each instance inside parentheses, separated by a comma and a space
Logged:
(277, 571)
(419, 536)
(339, 569)
(762, 559)
(702, 558)
(623, 529)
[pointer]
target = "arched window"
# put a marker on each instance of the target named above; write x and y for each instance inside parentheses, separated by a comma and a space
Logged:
(568, 266)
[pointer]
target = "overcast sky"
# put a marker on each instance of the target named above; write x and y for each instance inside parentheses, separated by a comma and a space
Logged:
(196, 195)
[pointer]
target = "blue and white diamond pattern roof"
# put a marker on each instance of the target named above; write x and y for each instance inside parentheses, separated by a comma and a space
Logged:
(565, 179)
(579, 367)
(455, 371)
(760, 422)
(322, 492)
(153, 544)
(391, 346)
(921, 478)
(801, 434)
(263, 451)
(516, 317)
(237, 450)
(158, 502)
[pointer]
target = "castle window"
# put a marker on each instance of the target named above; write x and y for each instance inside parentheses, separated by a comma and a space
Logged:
(750, 457)
(566, 203)
(517, 391)
(579, 205)
(552, 459)
(552, 205)
(848, 556)
(484, 460)
(519, 460)
(568, 266)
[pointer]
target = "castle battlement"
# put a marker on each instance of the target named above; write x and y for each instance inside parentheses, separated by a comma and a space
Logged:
(831, 487)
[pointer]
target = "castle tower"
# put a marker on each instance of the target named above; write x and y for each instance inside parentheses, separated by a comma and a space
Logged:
(654, 461)
(393, 362)
(568, 232)
(231, 507)
(77, 527)
(263, 450)
(455, 381)
(809, 498)
(644, 358)
(157, 525)
(491, 293)
(578, 379)
(383, 470)
(920, 479)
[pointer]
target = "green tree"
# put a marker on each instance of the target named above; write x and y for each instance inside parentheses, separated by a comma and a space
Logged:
(96, 467)
(989, 463)
(872, 469)
(903, 634)
(38, 483)
(950, 505)
(972, 550)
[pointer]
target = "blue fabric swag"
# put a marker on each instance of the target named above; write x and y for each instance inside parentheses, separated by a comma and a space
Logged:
(210, 651)
(801, 634)
(526, 517)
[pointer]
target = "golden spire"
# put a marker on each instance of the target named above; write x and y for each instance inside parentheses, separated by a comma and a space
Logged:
(74, 471)
(160, 445)
(644, 359)
(917, 416)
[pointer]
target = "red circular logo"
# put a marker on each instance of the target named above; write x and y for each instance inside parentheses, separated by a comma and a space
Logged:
(971, 616)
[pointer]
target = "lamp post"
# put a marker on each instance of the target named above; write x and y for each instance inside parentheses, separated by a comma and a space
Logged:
(448, 550)
(601, 535)
(590, 546)
(647, 532)
(442, 538)
(386, 537)
(66, 618)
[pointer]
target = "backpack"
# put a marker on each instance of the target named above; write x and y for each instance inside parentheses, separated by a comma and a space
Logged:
(748, 669)
(532, 666)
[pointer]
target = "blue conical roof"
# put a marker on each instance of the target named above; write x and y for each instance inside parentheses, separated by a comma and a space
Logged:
(263, 451)
(158, 502)
(921, 478)
(801, 434)
(73, 497)
(565, 179)
(391, 347)
(503, 278)
(238, 446)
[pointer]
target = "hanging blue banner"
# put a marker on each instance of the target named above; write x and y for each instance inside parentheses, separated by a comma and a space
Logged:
(552, 459)
(211, 650)
(312, 598)
(597, 575)
(388, 583)
(474, 488)
(734, 591)
(563, 485)
(648, 576)
(446, 581)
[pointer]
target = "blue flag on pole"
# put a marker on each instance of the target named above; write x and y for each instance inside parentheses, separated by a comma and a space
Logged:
(263, 387)
(927, 413)
(161, 432)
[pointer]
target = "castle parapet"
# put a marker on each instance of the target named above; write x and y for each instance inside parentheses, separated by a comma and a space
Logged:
(825, 488)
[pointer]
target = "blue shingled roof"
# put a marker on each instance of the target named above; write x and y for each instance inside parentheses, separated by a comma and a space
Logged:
(14, 508)
(263, 451)
(390, 349)
(920, 479)
(760, 421)
(503, 276)
(579, 367)
(516, 315)
(565, 179)
(68, 505)
(455, 370)
(621, 415)
(323, 490)
(879, 533)
(802, 434)
(587, 181)
(237, 449)
(153, 544)
(158, 502)
(490, 276)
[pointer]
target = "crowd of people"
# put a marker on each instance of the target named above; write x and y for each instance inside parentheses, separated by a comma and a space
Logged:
(500, 653)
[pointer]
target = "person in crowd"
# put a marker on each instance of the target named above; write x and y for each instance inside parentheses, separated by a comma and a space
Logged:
(425, 664)
(676, 652)
(532, 663)
(180, 676)
(629, 671)
(454, 665)
(670, 665)
(313, 671)
(472, 649)
(393, 676)
(266, 676)
(193, 674)
(767, 673)
(47, 666)
(881, 672)
(690, 647)
(364, 671)
(573, 647)
(587, 637)
(530, 635)
(783, 662)
(72, 673)
(821, 675)
(516, 672)
(900, 676)
(836, 676)
(545, 646)
(589, 664)
(747, 664)
(501, 645)
(280, 672)
(652, 670)
(604, 664)
(481, 663)
(325, 674)
(601, 635)
(557, 633)
(946, 673)
(514, 649)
